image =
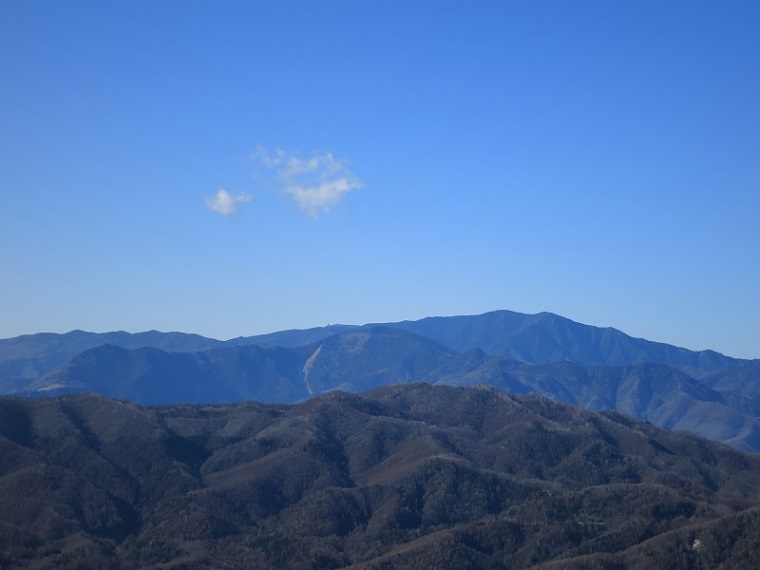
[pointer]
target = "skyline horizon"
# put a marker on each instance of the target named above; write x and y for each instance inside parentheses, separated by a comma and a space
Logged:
(379, 323)
(239, 168)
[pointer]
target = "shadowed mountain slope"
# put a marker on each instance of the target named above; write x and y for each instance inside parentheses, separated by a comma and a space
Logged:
(657, 393)
(153, 376)
(31, 356)
(742, 379)
(351, 361)
(413, 476)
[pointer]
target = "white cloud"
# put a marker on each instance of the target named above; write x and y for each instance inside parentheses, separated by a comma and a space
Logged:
(225, 203)
(315, 184)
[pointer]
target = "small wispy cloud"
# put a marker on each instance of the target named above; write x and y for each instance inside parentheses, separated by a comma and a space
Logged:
(224, 203)
(315, 184)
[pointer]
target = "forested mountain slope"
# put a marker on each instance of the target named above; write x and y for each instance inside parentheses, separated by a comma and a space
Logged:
(412, 476)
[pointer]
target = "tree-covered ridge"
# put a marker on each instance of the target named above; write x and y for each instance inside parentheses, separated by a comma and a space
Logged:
(412, 476)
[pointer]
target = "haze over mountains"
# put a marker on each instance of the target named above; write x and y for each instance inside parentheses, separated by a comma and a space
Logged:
(598, 368)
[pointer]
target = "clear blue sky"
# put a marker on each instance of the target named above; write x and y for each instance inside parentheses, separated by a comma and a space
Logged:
(233, 168)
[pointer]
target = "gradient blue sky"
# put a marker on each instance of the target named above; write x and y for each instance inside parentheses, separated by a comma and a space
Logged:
(233, 168)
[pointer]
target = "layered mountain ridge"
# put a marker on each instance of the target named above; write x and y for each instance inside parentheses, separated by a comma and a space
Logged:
(598, 368)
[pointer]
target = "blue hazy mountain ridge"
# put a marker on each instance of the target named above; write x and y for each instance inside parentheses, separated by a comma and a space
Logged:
(545, 337)
(30, 356)
(742, 378)
(538, 339)
(152, 376)
(293, 337)
(353, 361)
(367, 358)
(597, 368)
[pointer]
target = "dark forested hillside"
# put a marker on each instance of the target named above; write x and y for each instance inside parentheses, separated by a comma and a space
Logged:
(412, 476)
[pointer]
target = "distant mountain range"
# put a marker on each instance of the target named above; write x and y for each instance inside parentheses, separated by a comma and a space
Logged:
(598, 368)
(402, 477)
